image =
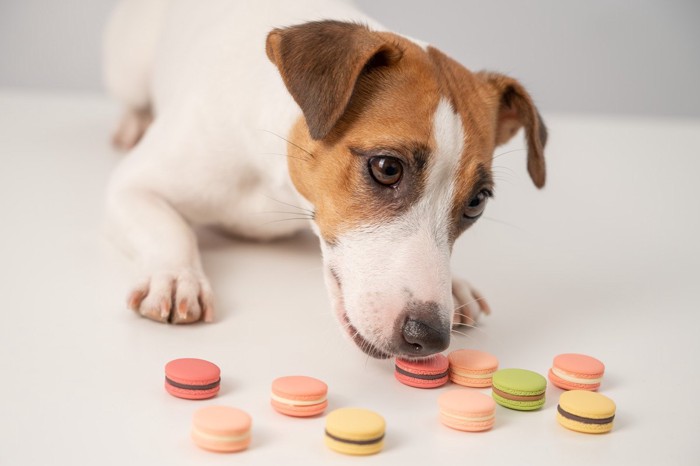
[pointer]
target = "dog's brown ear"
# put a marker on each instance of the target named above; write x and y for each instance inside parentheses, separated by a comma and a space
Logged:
(515, 110)
(320, 63)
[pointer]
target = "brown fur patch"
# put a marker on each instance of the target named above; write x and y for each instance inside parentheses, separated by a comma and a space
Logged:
(386, 107)
(385, 115)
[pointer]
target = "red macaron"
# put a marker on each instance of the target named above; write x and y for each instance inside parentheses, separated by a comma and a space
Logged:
(192, 379)
(431, 372)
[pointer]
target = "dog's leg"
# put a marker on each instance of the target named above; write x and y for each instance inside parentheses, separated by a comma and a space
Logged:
(131, 127)
(174, 288)
(469, 304)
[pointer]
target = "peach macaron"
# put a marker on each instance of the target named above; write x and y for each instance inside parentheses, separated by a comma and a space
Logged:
(221, 429)
(299, 396)
(467, 410)
(576, 372)
(472, 368)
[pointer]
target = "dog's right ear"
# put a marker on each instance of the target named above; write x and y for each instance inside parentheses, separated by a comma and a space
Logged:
(320, 63)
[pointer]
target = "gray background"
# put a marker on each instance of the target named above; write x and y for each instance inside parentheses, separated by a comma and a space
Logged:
(613, 56)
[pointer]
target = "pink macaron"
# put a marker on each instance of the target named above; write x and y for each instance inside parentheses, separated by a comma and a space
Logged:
(221, 429)
(192, 379)
(576, 372)
(299, 396)
(431, 372)
(467, 410)
(472, 368)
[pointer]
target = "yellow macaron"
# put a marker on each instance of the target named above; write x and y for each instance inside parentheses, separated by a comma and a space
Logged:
(586, 411)
(355, 431)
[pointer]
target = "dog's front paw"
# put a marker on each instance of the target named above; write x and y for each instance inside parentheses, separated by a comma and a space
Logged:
(469, 304)
(181, 297)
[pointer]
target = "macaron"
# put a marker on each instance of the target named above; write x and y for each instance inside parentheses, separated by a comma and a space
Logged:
(519, 389)
(192, 379)
(586, 411)
(355, 431)
(467, 410)
(472, 368)
(299, 396)
(576, 372)
(422, 373)
(221, 429)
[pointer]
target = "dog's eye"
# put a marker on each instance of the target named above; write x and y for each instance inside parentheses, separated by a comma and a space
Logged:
(385, 170)
(476, 205)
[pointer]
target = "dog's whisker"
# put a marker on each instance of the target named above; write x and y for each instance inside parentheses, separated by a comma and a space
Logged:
(508, 152)
(283, 155)
(287, 219)
(472, 327)
(495, 220)
(283, 212)
(460, 333)
(291, 205)
(290, 142)
(468, 303)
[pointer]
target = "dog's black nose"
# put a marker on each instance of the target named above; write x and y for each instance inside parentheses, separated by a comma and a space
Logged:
(420, 338)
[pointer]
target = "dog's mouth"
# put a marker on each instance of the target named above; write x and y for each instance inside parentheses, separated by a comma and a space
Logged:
(362, 342)
(365, 345)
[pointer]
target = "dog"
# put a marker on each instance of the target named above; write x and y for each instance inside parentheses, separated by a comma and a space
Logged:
(235, 109)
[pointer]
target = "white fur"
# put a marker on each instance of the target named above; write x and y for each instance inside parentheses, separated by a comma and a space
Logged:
(215, 155)
(384, 266)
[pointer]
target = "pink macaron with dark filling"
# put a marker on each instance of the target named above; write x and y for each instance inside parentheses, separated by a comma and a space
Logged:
(192, 379)
(431, 372)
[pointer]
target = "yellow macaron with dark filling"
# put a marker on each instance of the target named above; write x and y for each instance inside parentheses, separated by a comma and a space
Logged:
(586, 411)
(355, 431)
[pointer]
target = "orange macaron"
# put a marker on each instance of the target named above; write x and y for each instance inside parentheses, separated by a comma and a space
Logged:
(472, 368)
(299, 396)
(573, 371)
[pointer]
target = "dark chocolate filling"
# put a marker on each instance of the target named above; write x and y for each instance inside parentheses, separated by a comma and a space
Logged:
(356, 442)
(422, 376)
(192, 387)
(585, 420)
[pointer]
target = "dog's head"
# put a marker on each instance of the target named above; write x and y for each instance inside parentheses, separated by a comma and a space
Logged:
(394, 153)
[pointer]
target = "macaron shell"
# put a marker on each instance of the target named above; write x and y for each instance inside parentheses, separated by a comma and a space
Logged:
(352, 449)
(299, 387)
(519, 405)
(582, 427)
(519, 382)
(472, 362)
(299, 411)
(433, 366)
(355, 424)
(586, 404)
(191, 394)
(465, 409)
(420, 383)
(192, 371)
(567, 385)
(221, 428)
(579, 366)
(218, 446)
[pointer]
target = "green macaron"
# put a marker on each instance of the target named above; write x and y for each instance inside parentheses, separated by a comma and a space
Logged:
(519, 389)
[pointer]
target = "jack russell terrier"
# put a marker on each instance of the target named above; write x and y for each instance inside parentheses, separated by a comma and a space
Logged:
(386, 146)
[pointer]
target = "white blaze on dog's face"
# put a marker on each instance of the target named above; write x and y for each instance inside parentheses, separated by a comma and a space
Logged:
(394, 153)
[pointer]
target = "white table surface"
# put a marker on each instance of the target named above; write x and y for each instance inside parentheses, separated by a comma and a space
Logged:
(603, 261)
